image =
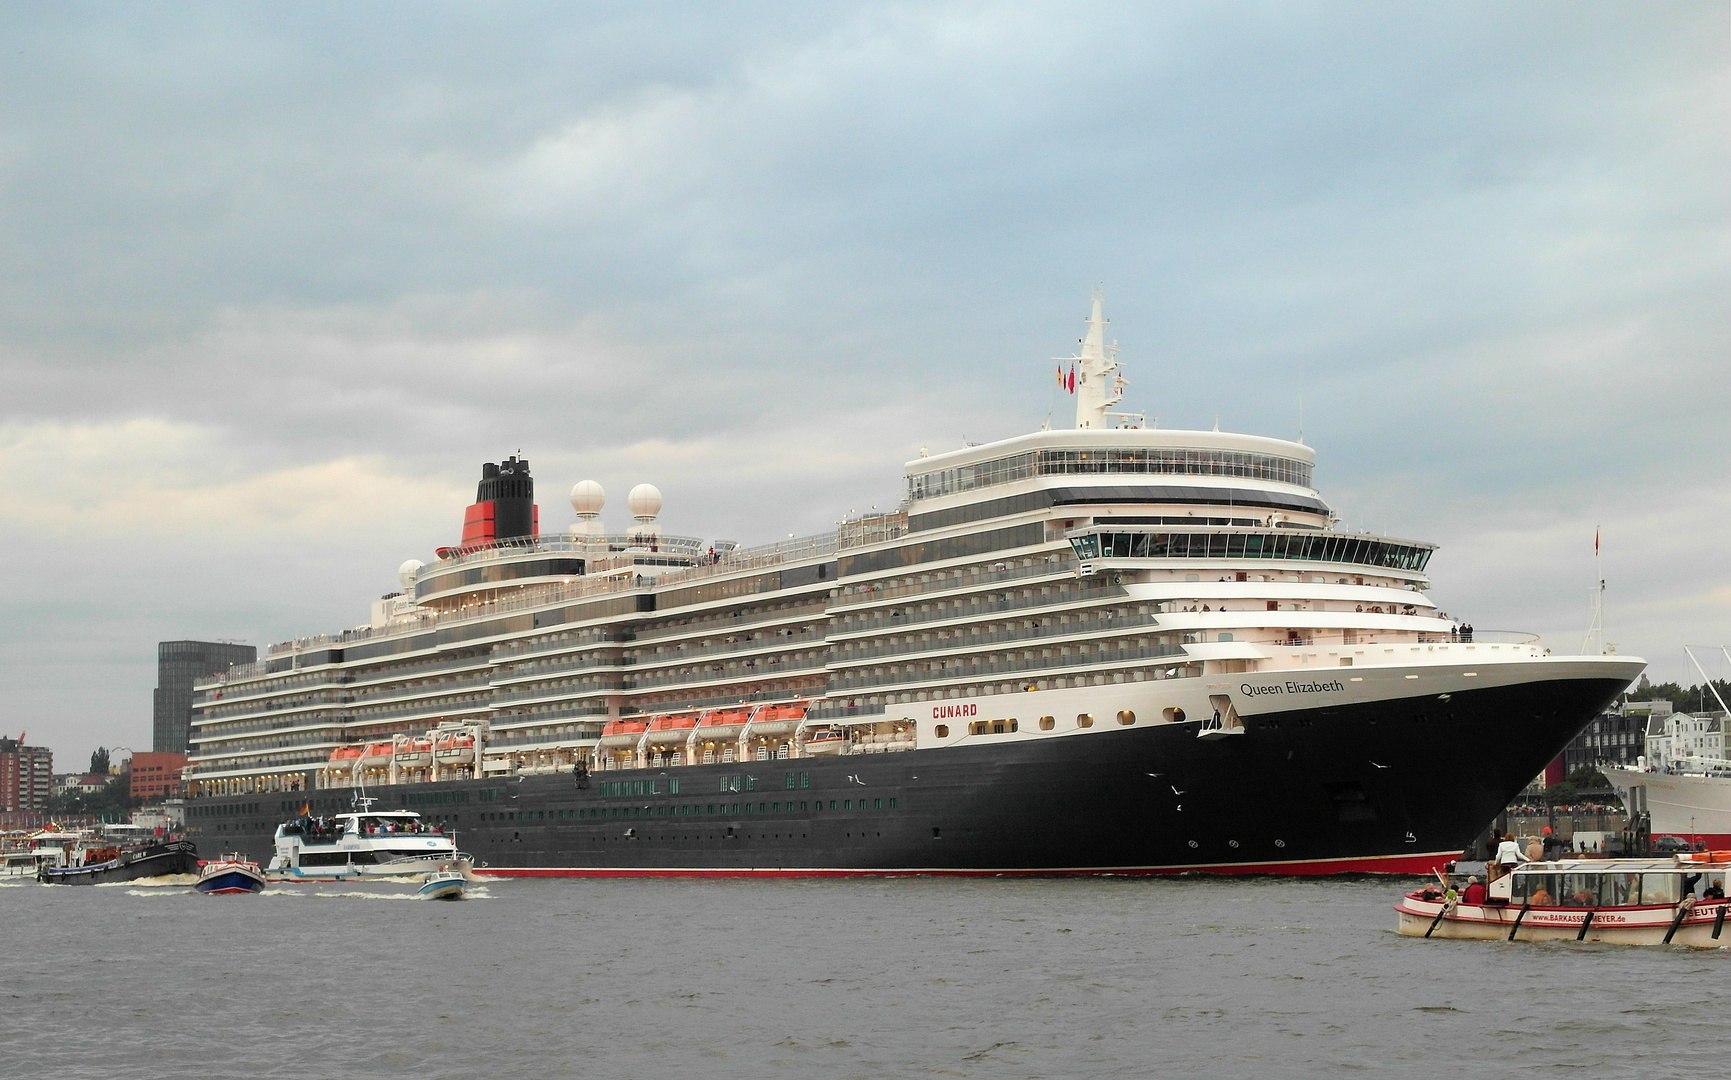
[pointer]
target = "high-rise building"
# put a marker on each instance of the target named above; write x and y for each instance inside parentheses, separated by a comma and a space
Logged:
(26, 776)
(178, 665)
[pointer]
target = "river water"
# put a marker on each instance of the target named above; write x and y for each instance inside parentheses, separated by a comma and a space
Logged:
(900, 977)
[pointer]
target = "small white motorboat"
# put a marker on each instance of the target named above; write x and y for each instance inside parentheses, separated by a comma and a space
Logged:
(444, 885)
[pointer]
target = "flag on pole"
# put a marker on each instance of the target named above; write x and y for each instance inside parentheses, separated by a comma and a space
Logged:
(1071, 386)
(1595, 541)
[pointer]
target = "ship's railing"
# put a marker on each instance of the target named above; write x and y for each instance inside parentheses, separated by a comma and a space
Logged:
(1001, 637)
(731, 625)
(1090, 591)
(951, 581)
(1018, 667)
(599, 547)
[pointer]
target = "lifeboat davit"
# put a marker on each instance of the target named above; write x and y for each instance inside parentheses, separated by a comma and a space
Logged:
(342, 759)
(415, 753)
(776, 719)
(454, 749)
(377, 755)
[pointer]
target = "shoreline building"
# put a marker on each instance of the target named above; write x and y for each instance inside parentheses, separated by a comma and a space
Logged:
(179, 664)
(26, 777)
(156, 775)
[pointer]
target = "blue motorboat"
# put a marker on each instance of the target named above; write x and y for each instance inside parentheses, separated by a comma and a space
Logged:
(444, 885)
(233, 873)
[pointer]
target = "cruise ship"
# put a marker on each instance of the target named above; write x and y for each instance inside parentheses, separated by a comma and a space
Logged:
(1113, 649)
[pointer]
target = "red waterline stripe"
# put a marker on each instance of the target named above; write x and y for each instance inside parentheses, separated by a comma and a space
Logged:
(1405, 865)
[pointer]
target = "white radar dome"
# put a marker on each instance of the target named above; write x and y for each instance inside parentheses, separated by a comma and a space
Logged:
(406, 573)
(644, 500)
(587, 497)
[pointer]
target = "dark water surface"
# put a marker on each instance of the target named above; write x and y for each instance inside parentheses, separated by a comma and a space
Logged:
(867, 978)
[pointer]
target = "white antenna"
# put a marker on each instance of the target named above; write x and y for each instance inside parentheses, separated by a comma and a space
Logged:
(1594, 643)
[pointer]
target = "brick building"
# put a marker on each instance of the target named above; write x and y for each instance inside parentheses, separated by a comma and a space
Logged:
(156, 775)
(26, 776)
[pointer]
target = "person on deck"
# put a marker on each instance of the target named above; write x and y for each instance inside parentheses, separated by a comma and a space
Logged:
(1475, 892)
(1508, 854)
(1715, 891)
(1541, 897)
(1535, 850)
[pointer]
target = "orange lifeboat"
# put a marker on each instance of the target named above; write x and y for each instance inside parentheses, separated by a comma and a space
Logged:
(415, 752)
(454, 750)
(342, 759)
(723, 719)
(377, 755)
(617, 734)
(771, 720)
(670, 729)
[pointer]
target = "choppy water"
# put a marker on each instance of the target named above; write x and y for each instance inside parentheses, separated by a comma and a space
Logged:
(868, 978)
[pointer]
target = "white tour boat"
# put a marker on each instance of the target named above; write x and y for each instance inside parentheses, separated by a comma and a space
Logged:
(364, 844)
(1616, 901)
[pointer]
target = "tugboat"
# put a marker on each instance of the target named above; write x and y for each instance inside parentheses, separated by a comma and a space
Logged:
(1615, 901)
(233, 873)
(365, 844)
(157, 859)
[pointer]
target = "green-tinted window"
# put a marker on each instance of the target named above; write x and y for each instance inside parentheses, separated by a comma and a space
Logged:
(672, 787)
(832, 804)
(847, 804)
(804, 779)
(892, 804)
(802, 807)
(792, 780)
(775, 807)
(877, 804)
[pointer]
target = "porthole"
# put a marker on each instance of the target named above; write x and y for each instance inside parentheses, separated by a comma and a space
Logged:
(1194, 844)
(1126, 717)
(1084, 720)
(1173, 715)
(942, 731)
(1280, 843)
(1232, 843)
(1047, 723)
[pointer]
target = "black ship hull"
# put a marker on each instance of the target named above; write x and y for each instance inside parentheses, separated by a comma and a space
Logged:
(157, 860)
(1394, 786)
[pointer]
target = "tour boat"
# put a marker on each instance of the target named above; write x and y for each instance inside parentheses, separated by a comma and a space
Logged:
(233, 873)
(1670, 901)
(363, 844)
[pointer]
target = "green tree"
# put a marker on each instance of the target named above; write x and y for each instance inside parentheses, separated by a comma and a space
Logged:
(99, 761)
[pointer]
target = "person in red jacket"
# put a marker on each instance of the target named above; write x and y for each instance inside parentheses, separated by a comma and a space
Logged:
(1475, 892)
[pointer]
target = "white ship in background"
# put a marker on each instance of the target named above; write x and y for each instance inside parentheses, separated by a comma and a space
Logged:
(1683, 780)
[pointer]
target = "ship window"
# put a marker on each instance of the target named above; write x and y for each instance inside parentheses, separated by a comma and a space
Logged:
(1660, 889)
(791, 780)
(804, 782)
(1126, 717)
(877, 804)
(1084, 720)
(832, 804)
(1173, 715)
(847, 804)
(775, 807)
(801, 807)
(892, 804)
(942, 731)
(1047, 723)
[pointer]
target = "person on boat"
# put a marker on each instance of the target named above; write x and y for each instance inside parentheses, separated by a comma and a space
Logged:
(1715, 890)
(1508, 854)
(1535, 850)
(1475, 892)
(1541, 897)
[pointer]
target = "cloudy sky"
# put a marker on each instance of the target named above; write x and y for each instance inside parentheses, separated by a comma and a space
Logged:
(276, 278)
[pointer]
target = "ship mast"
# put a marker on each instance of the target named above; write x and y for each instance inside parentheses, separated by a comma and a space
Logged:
(1099, 383)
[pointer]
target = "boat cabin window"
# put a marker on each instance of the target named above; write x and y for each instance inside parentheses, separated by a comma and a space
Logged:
(1579, 890)
(1661, 888)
